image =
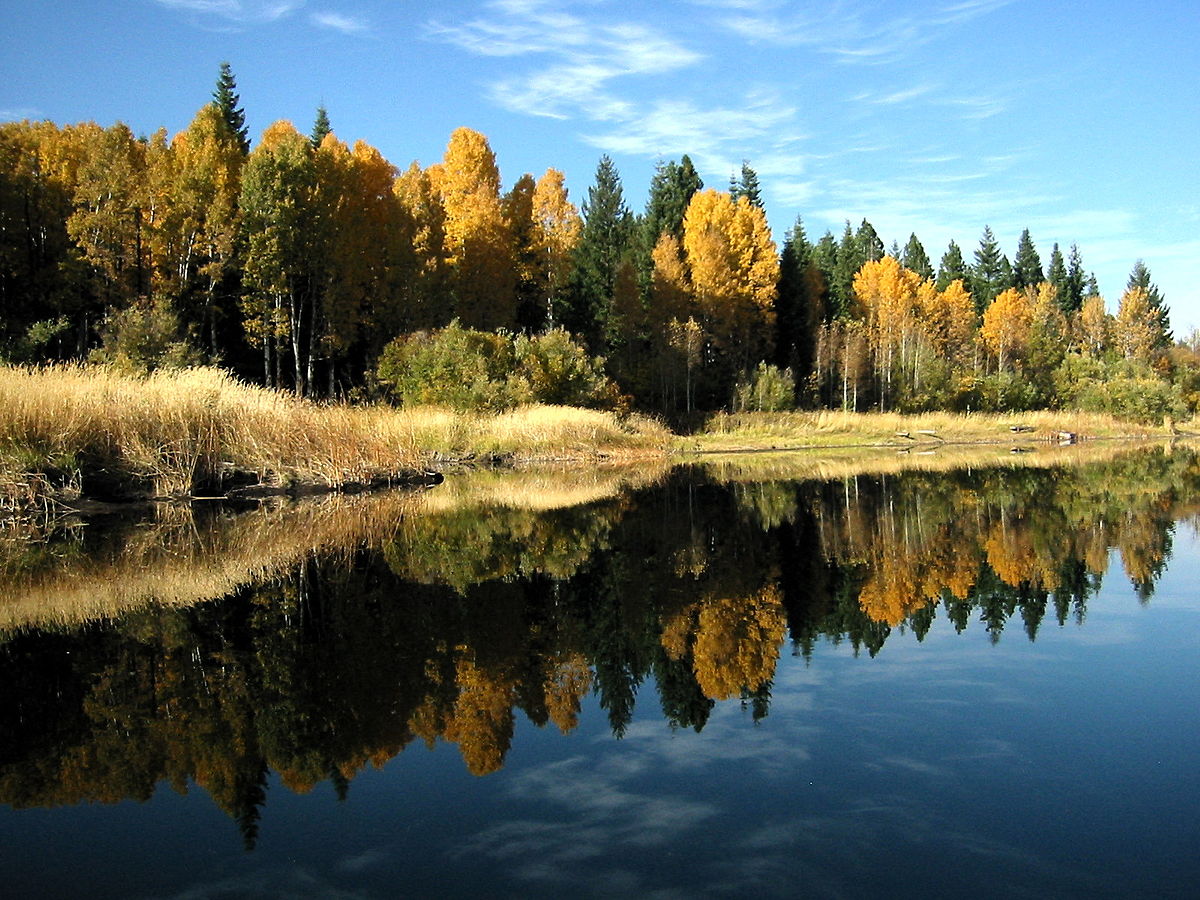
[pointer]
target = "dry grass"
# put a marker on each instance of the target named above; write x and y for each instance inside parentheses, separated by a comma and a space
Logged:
(174, 433)
(805, 430)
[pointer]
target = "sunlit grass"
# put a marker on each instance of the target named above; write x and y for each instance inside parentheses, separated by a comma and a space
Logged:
(802, 430)
(175, 433)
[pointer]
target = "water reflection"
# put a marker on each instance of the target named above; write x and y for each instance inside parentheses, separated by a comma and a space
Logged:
(333, 635)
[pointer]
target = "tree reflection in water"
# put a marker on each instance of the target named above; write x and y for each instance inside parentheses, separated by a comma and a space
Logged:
(416, 618)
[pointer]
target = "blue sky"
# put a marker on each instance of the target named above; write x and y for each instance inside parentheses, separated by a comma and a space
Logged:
(1077, 121)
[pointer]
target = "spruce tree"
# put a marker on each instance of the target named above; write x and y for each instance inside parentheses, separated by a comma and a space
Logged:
(798, 306)
(916, 259)
(1027, 266)
(1076, 280)
(848, 261)
(870, 245)
(952, 268)
(987, 274)
(825, 259)
(607, 229)
(671, 190)
(1056, 274)
(321, 127)
(226, 98)
(747, 186)
(1139, 277)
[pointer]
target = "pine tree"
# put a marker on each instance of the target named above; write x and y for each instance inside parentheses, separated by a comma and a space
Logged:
(987, 273)
(952, 268)
(799, 305)
(321, 127)
(747, 186)
(1139, 277)
(607, 229)
(825, 259)
(226, 98)
(1056, 274)
(870, 245)
(671, 191)
(1027, 267)
(915, 258)
(1076, 281)
(849, 260)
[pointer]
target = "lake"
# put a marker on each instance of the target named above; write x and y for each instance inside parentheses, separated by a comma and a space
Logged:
(766, 676)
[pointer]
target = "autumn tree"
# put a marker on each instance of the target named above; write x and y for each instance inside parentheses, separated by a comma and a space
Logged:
(1006, 326)
(557, 230)
(734, 272)
(422, 264)
(196, 183)
(479, 245)
(277, 202)
(1139, 277)
(1136, 330)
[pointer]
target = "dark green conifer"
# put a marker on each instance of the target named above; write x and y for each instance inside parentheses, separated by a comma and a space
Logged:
(321, 127)
(226, 98)
(952, 268)
(916, 259)
(1027, 266)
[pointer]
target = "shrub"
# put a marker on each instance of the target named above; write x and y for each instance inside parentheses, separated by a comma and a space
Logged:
(768, 389)
(466, 369)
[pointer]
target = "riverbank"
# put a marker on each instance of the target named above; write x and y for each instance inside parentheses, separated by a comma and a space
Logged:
(69, 433)
(734, 432)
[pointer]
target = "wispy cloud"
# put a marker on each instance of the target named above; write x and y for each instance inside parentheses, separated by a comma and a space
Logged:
(237, 12)
(850, 34)
(338, 22)
(580, 60)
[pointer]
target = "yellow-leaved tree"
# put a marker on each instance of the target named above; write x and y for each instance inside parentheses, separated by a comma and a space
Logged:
(557, 228)
(734, 273)
(1007, 323)
(479, 245)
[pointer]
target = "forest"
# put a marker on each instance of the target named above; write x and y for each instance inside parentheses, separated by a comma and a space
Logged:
(310, 265)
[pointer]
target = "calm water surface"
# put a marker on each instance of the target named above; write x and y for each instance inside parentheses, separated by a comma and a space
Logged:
(707, 682)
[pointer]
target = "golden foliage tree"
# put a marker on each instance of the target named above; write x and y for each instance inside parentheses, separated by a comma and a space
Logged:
(734, 273)
(479, 240)
(1006, 325)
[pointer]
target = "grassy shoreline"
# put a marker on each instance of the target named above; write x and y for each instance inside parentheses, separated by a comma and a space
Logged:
(71, 432)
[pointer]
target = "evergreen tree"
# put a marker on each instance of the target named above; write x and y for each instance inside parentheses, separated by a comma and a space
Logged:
(1027, 267)
(321, 127)
(226, 98)
(987, 274)
(671, 191)
(1139, 277)
(915, 258)
(825, 259)
(1076, 280)
(894, 251)
(607, 229)
(747, 186)
(799, 305)
(848, 261)
(1056, 274)
(952, 268)
(870, 245)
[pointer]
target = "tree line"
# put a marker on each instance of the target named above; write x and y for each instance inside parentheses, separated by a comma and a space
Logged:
(296, 262)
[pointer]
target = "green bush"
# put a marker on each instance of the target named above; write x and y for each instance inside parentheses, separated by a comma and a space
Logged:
(768, 389)
(1122, 388)
(479, 370)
